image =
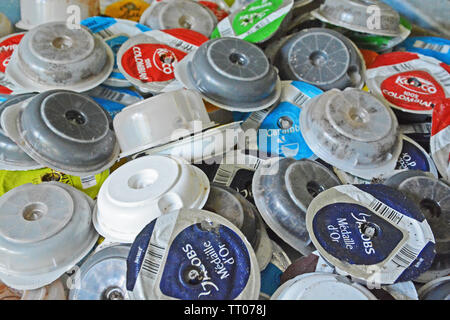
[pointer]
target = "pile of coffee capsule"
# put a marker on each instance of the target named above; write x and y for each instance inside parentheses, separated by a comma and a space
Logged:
(222, 150)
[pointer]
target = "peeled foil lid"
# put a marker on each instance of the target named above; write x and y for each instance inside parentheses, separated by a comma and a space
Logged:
(283, 189)
(46, 229)
(12, 157)
(440, 138)
(432, 196)
(103, 275)
(409, 82)
(73, 59)
(163, 49)
(52, 125)
(322, 57)
(5, 25)
(254, 21)
(371, 232)
(225, 65)
(438, 289)
(321, 286)
(368, 16)
(185, 14)
(353, 131)
(142, 190)
(412, 158)
(195, 255)
(279, 131)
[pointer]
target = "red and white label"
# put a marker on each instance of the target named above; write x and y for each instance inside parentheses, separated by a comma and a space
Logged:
(409, 81)
(412, 90)
(155, 62)
(7, 47)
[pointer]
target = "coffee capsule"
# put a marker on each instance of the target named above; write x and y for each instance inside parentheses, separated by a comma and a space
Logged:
(47, 229)
(322, 57)
(63, 130)
(143, 189)
(438, 289)
(296, 183)
(54, 56)
(371, 232)
(353, 131)
(192, 254)
(103, 275)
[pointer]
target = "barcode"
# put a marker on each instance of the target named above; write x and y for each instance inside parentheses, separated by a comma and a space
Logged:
(385, 211)
(88, 182)
(402, 67)
(225, 28)
(187, 47)
(255, 119)
(405, 256)
(444, 48)
(153, 259)
(109, 94)
(443, 76)
(262, 24)
(105, 33)
(300, 99)
(224, 175)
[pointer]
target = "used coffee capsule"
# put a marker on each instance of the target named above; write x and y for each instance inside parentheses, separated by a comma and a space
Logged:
(412, 157)
(322, 57)
(37, 12)
(256, 22)
(371, 232)
(63, 130)
(353, 131)
(433, 197)
(435, 47)
(438, 289)
(185, 14)
(47, 229)
(103, 275)
(225, 65)
(358, 15)
(143, 189)
(440, 138)
(409, 82)
(54, 56)
(218, 8)
(148, 60)
(395, 180)
(296, 183)
(321, 286)
(279, 126)
(271, 275)
(12, 157)
(192, 255)
(160, 119)
(115, 32)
